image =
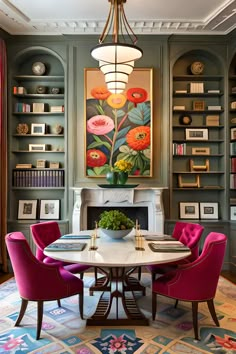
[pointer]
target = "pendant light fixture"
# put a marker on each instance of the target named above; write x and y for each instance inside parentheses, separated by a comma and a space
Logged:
(116, 57)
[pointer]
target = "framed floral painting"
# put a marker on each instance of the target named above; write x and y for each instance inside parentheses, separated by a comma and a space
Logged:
(118, 126)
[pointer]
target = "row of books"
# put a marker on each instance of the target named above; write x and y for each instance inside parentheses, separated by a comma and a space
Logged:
(38, 178)
(37, 107)
(179, 149)
(233, 164)
(232, 181)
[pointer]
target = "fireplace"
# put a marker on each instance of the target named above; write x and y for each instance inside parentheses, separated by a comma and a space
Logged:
(142, 203)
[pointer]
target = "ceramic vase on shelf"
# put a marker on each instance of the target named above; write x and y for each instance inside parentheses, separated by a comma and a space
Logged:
(112, 177)
(122, 177)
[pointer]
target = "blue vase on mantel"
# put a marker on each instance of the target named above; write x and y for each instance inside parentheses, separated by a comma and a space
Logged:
(112, 177)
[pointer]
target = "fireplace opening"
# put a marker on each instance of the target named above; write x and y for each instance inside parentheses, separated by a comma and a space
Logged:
(134, 213)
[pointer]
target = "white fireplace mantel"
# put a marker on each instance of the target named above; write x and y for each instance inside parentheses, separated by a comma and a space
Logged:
(144, 196)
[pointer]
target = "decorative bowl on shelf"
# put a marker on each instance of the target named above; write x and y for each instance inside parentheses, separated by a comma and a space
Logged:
(38, 68)
(116, 234)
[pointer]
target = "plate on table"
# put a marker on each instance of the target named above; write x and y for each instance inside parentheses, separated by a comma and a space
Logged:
(117, 185)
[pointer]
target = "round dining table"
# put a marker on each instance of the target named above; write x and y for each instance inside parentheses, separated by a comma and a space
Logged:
(116, 260)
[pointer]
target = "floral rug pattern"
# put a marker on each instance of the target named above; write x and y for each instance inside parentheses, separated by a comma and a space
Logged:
(63, 331)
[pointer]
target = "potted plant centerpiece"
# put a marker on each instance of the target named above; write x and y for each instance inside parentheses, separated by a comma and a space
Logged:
(115, 224)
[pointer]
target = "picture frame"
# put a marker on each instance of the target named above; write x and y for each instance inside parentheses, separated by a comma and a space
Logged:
(233, 133)
(196, 134)
(201, 150)
(27, 209)
(38, 129)
(233, 212)
(129, 112)
(49, 209)
(37, 147)
(209, 211)
(189, 210)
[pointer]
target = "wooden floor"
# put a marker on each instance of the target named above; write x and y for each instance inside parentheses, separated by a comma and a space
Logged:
(226, 274)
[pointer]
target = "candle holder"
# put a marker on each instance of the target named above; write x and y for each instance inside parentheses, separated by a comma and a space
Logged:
(93, 246)
(139, 243)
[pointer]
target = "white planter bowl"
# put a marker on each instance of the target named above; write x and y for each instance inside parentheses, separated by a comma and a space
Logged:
(116, 233)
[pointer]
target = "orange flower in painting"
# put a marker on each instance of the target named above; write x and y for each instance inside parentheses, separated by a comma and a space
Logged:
(100, 92)
(139, 138)
(95, 158)
(136, 95)
(116, 100)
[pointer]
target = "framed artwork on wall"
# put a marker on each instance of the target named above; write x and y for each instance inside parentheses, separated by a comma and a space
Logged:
(119, 126)
(27, 209)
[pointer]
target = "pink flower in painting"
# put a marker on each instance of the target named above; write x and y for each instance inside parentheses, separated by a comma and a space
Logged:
(100, 125)
(117, 344)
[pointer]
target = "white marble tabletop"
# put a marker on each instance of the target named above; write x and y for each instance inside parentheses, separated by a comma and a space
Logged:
(116, 253)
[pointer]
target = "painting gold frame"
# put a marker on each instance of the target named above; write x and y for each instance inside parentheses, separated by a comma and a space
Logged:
(113, 122)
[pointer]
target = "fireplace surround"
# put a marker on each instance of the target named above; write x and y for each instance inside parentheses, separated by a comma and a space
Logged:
(145, 201)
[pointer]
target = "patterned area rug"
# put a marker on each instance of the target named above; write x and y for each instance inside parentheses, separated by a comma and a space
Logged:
(64, 332)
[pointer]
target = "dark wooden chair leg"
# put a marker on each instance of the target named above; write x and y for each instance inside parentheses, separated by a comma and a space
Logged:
(59, 303)
(81, 305)
(139, 273)
(154, 305)
(176, 303)
(40, 318)
(195, 318)
(211, 307)
(81, 276)
(24, 304)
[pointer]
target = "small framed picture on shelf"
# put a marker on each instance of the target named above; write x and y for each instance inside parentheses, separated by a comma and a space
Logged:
(213, 120)
(233, 212)
(201, 151)
(188, 210)
(37, 147)
(27, 209)
(233, 133)
(49, 209)
(198, 105)
(38, 129)
(209, 211)
(196, 134)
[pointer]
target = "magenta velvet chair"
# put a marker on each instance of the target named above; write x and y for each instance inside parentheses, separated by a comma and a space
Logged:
(37, 281)
(45, 233)
(187, 233)
(195, 282)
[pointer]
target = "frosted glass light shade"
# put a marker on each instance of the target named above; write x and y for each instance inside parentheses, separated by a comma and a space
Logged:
(116, 53)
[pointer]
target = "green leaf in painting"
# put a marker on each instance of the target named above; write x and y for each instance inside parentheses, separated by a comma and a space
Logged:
(140, 115)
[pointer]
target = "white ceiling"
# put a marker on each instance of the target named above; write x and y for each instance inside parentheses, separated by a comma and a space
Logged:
(59, 17)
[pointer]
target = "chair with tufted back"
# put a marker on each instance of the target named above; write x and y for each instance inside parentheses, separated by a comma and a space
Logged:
(37, 281)
(45, 233)
(187, 233)
(196, 281)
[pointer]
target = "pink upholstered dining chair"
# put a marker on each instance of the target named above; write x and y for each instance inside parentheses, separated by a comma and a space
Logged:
(45, 233)
(195, 282)
(37, 281)
(187, 233)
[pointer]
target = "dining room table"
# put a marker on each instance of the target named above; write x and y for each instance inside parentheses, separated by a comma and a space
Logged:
(116, 260)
